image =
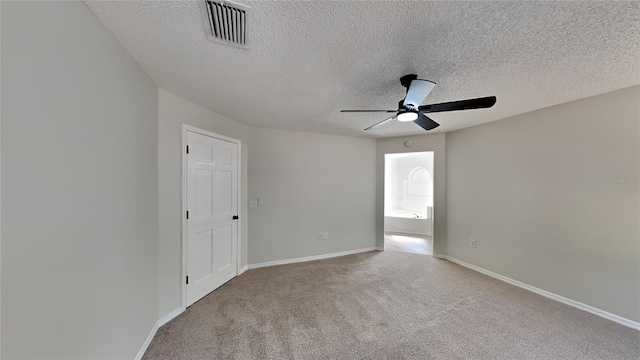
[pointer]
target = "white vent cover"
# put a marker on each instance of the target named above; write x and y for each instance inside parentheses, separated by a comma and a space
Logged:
(226, 22)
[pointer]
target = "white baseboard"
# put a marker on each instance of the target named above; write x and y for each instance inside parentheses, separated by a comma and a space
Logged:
(439, 256)
(243, 269)
(588, 308)
(165, 319)
(147, 342)
(170, 316)
(311, 258)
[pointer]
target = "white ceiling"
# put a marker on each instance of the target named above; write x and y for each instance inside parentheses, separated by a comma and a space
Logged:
(308, 60)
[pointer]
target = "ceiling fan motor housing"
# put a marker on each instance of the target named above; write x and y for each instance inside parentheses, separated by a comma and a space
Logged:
(407, 79)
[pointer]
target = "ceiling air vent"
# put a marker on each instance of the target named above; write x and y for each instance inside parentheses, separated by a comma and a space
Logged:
(226, 22)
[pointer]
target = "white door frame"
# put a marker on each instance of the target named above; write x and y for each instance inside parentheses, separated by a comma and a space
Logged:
(434, 194)
(186, 128)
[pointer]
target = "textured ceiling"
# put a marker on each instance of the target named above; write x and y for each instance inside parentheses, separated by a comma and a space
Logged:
(308, 60)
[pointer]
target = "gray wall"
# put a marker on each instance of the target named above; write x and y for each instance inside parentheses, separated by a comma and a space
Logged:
(91, 157)
(534, 190)
(79, 188)
(172, 113)
(432, 142)
(309, 183)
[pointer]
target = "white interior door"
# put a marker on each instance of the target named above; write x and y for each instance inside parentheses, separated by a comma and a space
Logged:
(212, 208)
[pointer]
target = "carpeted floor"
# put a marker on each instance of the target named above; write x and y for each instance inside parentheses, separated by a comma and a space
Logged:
(385, 305)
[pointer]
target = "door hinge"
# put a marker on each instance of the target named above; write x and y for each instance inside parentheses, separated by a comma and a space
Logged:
(187, 149)
(187, 279)
(187, 215)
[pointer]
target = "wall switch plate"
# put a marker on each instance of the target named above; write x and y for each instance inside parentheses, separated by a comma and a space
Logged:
(320, 236)
(326, 235)
(253, 203)
(259, 202)
(472, 243)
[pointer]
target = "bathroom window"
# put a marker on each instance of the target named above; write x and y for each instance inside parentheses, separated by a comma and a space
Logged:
(419, 183)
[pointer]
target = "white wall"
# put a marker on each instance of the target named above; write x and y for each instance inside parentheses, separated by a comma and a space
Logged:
(428, 142)
(309, 183)
(79, 188)
(173, 111)
(534, 190)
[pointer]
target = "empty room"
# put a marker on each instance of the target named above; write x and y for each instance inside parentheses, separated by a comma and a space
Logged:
(319, 180)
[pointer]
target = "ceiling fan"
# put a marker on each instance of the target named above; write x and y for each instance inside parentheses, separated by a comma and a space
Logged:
(409, 109)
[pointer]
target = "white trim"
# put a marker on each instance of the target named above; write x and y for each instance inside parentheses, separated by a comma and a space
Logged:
(170, 316)
(185, 128)
(243, 269)
(183, 194)
(588, 308)
(147, 342)
(240, 204)
(311, 258)
(155, 328)
(439, 256)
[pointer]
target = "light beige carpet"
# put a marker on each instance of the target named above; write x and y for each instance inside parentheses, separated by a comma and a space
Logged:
(385, 305)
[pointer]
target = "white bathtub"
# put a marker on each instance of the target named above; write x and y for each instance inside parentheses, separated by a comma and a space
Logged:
(402, 220)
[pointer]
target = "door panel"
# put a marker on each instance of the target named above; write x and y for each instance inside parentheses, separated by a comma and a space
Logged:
(212, 201)
(223, 241)
(225, 187)
(204, 189)
(201, 266)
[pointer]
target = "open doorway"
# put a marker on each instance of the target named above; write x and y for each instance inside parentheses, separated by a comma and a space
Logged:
(408, 202)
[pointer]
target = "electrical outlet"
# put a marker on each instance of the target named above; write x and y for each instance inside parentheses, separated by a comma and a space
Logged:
(320, 236)
(326, 235)
(472, 243)
(259, 202)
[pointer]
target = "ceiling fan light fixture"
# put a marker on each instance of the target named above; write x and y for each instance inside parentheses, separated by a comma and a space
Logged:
(407, 116)
(410, 110)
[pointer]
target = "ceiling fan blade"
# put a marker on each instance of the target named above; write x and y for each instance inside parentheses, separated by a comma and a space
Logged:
(425, 122)
(418, 91)
(384, 111)
(479, 103)
(381, 123)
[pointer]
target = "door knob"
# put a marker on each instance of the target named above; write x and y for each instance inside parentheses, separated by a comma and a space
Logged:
(235, 217)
